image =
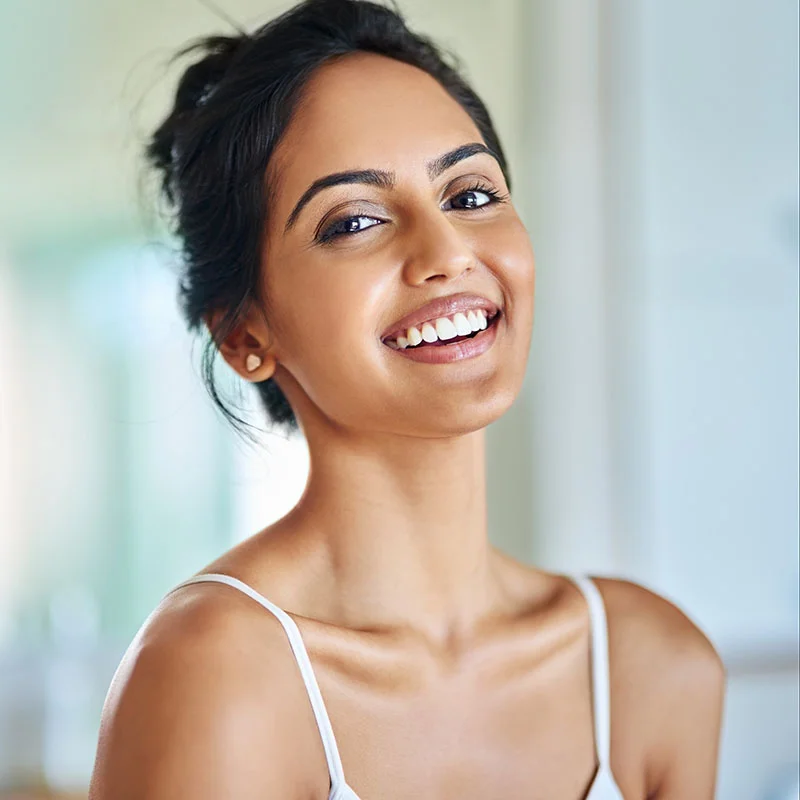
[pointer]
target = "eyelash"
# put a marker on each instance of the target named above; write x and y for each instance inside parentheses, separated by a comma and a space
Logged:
(327, 236)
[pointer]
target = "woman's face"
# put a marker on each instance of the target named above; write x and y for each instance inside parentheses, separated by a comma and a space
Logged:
(352, 264)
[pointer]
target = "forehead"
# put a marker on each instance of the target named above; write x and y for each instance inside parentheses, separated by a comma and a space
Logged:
(368, 111)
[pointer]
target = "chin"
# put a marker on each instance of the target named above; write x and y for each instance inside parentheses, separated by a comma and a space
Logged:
(452, 420)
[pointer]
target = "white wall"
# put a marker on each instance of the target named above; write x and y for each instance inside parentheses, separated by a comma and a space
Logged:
(665, 208)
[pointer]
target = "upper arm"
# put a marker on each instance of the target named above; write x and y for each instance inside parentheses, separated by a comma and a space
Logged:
(690, 746)
(670, 685)
(188, 717)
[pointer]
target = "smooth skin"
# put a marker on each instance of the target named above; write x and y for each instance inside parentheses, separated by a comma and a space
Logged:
(449, 670)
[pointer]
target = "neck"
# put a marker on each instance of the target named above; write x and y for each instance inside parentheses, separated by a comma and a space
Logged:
(402, 524)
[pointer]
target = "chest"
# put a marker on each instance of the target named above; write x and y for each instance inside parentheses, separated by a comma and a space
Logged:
(496, 731)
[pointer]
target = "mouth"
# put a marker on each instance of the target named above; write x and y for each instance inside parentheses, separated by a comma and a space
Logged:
(445, 331)
(465, 335)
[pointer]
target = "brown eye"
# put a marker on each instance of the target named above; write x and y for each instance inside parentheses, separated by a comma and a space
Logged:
(347, 226)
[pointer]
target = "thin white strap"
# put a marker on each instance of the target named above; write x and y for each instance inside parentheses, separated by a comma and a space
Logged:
(601, 688)
(303, 661)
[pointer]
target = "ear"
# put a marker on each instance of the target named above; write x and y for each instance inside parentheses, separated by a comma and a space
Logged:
(247, 347)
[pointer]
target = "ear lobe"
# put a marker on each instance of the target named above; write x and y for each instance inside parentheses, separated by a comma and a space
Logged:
(246, 350)
(258, 368)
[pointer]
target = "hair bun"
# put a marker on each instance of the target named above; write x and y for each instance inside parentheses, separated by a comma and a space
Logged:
(202, 77)
(193, 91)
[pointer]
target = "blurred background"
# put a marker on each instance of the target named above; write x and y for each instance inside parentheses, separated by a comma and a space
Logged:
(654, 147)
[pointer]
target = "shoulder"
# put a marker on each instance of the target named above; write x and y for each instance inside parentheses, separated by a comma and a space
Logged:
(205, 692)
(668, 680)
(651, 635)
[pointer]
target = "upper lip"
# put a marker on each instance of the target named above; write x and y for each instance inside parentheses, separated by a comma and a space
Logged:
(440, 307)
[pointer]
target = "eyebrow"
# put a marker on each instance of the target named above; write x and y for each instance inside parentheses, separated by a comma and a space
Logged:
(386, 180)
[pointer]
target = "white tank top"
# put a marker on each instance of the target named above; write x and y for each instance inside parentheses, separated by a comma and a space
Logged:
(604, 787)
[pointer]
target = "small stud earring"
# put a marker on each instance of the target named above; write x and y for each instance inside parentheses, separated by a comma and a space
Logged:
(253, 362)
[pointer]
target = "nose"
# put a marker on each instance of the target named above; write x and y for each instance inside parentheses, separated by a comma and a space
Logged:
(436, 251)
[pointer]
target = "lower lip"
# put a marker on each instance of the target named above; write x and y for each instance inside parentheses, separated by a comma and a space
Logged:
(459, 351)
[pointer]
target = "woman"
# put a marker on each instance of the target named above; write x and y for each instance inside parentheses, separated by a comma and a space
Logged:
(343, 203)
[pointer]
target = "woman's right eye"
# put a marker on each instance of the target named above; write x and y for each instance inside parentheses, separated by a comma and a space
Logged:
(347, 226)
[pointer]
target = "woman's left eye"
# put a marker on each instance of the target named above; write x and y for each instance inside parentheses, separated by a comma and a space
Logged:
(473, 198)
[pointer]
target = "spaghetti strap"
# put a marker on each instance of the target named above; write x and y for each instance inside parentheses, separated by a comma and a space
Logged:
(601, 687)
(303, 661)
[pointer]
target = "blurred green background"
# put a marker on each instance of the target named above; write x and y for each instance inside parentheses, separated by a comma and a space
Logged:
(654, 148)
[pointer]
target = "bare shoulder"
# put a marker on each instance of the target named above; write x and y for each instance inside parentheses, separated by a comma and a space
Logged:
(207, 703)
(651, 635)
(668, 685)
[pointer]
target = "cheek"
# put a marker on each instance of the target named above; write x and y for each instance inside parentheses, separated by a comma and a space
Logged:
(509, 253)
(324, 316)
(316, 312)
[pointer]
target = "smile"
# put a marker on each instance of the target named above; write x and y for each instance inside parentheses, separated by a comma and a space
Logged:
(444, 330)
(447, 339)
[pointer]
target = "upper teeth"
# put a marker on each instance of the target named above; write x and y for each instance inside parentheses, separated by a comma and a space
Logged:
(442, 329)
